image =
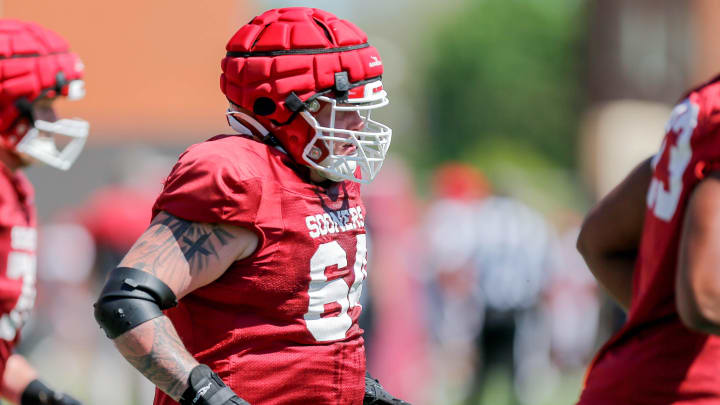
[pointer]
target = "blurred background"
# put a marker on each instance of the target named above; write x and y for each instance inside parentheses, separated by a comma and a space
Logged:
(511, 118)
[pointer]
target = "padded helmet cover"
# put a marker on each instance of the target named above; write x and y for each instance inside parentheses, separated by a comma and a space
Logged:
(293, 50)
(34, 61)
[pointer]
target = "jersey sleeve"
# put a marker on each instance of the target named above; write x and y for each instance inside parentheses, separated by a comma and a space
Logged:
(706, 140)
(211, 188)
(7, 208)
(16, 199)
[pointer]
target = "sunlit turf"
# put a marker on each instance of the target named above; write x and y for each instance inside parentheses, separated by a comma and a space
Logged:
(499, 390)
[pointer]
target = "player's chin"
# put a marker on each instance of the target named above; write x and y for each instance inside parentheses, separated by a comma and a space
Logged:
(25, 160)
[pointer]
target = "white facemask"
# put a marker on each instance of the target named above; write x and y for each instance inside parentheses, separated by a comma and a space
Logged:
(40, 141)
(371, 143)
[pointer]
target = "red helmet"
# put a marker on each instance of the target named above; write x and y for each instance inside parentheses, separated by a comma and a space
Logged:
(284, 62)
(36, 62)
(460, 181)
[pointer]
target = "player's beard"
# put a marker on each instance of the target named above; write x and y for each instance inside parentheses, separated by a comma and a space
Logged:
(345, 169)
(13, 160)
(25, 160)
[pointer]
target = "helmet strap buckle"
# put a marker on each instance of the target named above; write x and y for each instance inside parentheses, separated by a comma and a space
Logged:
(342, 86)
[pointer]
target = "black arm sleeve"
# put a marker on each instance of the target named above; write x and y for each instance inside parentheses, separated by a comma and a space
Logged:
(130, 298)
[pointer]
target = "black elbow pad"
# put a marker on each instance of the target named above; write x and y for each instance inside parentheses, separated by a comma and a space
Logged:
(131, 297)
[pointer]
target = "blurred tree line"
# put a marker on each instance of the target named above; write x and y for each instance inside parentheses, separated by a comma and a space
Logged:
(504, 91)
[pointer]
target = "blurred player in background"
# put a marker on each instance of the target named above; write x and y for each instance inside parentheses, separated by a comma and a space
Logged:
(485, 310)
(36, 67)
(260, 236)
(653, 243)
(394, 301)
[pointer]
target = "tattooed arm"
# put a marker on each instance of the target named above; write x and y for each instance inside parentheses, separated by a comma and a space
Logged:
(184, 255)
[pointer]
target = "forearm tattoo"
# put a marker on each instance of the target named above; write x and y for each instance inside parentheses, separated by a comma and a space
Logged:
(155, 350)
(156, 251)
(176, 251)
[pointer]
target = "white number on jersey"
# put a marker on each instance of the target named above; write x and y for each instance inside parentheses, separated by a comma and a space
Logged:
(324, 292)
(683, 122)
(20, 265)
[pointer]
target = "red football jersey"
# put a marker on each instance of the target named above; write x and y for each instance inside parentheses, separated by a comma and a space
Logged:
(654, 358)
(279, 327)
(18, 238)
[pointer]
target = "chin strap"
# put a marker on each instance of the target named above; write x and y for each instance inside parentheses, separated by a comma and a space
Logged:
(241, 128)
(238, 126)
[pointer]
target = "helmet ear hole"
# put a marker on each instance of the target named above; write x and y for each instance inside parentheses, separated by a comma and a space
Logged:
(264, 106)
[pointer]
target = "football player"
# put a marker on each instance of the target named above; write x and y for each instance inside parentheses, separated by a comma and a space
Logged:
(36, 67)
(653, 243)
(245, 286)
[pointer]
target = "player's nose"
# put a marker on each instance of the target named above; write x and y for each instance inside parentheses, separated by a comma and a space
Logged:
(354, 121)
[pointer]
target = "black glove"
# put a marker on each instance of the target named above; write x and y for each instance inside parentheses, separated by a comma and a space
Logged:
(37, 393)
(206, 388)
(375, 394)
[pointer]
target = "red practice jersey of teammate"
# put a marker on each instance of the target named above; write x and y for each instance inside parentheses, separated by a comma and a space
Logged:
(654, 358)
(18, 238)
(279, 327)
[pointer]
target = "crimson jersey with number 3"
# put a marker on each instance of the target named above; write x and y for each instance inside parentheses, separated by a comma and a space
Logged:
(17, 257)
(279, 327)
(654, 358)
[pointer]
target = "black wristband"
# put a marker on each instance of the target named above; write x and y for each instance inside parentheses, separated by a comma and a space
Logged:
(375, 394)
(37, 393)
(207, 388)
